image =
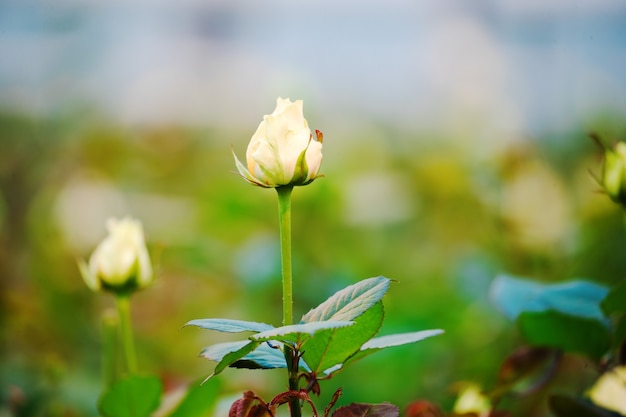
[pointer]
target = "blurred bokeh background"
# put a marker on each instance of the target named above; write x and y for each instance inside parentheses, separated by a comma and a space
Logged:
(456, 148)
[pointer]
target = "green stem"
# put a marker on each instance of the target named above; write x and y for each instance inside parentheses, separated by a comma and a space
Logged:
(291, 355)
(110, 325)
(123, 310)
(284, 218)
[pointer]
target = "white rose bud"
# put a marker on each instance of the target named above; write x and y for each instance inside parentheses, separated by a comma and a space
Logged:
(121, 262)
(614, 173)
(283, 151)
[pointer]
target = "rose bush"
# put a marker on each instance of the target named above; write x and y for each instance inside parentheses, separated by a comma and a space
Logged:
(282, 151)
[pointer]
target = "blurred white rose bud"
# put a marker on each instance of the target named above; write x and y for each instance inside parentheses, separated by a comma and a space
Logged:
(120, 263)
(614, 173)
(283, 151)
(609, 391)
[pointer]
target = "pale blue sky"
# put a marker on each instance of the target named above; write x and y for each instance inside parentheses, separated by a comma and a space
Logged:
(517, 65)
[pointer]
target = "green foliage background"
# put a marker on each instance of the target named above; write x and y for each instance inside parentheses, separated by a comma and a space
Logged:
(436, 212)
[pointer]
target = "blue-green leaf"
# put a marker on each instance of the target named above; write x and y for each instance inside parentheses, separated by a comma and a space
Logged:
(298, 333)
(230, 326)
(133, 396)
(227, 353)
(263, 357)
(217, 351)
(515, 296)
(382, 342)
(351, 302)
(399, 339)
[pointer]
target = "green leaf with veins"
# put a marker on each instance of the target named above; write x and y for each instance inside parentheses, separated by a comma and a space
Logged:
(298, 333)
(230, 326)
(382, 342)
(351, 302)
(332, 347)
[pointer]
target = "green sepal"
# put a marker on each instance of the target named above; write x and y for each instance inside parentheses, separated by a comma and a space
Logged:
(301, 170)
(246, 174)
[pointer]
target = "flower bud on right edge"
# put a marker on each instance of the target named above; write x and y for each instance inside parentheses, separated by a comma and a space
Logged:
(613, 179)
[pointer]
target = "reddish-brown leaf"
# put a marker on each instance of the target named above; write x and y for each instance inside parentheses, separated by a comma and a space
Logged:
(332, 402)
(367, 410)
(259, 410)
(244, 406)
(289, 396)
(423, 408)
